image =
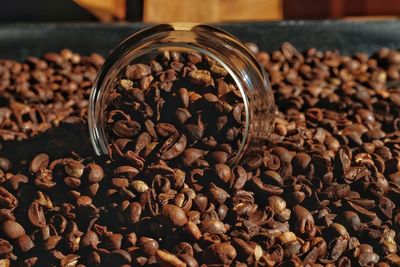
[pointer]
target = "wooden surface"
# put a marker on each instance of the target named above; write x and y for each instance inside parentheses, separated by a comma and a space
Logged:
(211, 10)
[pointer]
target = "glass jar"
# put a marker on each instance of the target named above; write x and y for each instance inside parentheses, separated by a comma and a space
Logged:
(247, 75)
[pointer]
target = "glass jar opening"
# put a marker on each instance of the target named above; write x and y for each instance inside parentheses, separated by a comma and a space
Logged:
(218, 56)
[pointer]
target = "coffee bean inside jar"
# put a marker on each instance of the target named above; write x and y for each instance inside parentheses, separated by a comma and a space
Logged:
(189, 95)
(180, 107)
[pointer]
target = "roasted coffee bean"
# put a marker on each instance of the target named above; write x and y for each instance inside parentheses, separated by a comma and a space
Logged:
(126, 171)
(12, 229)
(113, 242)
(74, 168)
(168, 259)
(89, 239)
(190, 155)
(5, 164)
(193, 230)
(222, 253)
(17, 181)
(24, 243)
(40, 161)
(189, 260)
(182, 115)
(213, 226)
(217, 195)
(51, 242)
(137, 71)
(301, 161)
(139, 186)
(193, 132)
(176, 149)
(36, 215)
(126, 129)
(134, 212)
(173, 215)
(222, 172)
(5, 247)
(217, 157)
(149, 245)
(95, 172)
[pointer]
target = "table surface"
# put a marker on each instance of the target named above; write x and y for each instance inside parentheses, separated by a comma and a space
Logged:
(17, 41)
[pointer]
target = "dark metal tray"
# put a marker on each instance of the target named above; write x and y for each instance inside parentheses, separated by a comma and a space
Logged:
(17, 41)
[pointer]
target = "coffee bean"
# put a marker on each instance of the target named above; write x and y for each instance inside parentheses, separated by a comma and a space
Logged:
(16, 181)
(213, 226)
(5, 247)
(74, 168)
(40, 161)
(126, 128)
(201, 77)
(222, 172)
(176, 149)
(134, 212)
(168, 259)
(113, 242)
(93, 258)
(70, 259)
(193, 132)
(173, 215)
(6, 214)
(193, 230)
(51, 242)
(95, 172)
(190, 155)
(217, 195)
(5, 164)
(190, 261)
(12, 229)
(217, 157)
(127, 171)
(223, 253)
(149, 245)
(139, 186)
(89, 239)
(137, 71)
(301, 161)
(182, 115)
(36, 215)
(277, 204)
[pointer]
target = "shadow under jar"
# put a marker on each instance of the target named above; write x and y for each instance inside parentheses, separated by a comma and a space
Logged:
(184, 93)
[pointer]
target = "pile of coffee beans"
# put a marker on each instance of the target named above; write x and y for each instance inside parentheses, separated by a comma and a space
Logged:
(38, 94)
(180, 106)
(324, 191)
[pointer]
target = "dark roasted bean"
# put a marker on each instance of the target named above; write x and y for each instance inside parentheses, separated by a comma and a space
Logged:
(95, 172)
(149, 245)
(173, 215)
(40, 161)
(12, 229)
(5, 247)
(137, 71)
(36, 215)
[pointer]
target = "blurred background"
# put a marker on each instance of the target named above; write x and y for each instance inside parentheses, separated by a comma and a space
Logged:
(193, 10)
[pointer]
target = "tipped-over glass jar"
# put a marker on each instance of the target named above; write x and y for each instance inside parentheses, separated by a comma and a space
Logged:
(185, 93)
